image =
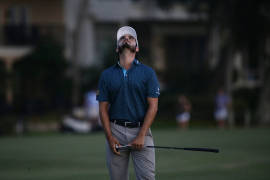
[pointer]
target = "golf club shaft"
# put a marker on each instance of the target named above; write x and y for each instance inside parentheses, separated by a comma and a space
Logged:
(128, 147)
(187, 149)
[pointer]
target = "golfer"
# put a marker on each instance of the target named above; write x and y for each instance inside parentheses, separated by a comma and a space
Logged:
(128, 102)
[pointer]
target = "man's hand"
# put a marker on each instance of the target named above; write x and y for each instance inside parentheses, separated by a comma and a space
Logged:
(104, 116)
(113, 142)
(138, 142)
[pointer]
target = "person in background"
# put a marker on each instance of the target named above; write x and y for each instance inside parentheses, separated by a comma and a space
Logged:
(184, 108)
(92, 110)
(222, 104)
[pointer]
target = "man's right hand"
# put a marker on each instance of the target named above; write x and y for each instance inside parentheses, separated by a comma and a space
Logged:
(113, 142)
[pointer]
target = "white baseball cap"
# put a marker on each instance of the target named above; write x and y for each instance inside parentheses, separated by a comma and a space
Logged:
(127, 30)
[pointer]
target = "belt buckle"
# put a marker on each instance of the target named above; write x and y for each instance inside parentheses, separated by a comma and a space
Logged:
(126, 123)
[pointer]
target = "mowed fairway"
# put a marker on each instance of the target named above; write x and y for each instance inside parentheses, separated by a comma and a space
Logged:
(244, 155)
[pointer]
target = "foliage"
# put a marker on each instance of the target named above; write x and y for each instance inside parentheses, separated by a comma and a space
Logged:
(40, 80)
(245, 100)
(3, 77)
(242, 26)
(90, 77)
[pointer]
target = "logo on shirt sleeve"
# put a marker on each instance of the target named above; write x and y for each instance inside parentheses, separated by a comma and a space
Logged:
(158, 91)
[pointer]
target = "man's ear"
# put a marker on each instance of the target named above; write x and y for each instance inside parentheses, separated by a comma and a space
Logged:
(137, 49)
(117, 50)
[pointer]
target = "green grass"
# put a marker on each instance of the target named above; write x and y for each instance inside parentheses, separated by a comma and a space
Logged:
(245, 155)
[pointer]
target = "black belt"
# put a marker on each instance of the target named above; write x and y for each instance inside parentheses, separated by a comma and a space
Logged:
(127, 123)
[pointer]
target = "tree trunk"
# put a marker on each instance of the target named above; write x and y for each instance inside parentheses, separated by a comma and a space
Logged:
(76, 76)
(229, 82)
(263, 113)
(264, 104)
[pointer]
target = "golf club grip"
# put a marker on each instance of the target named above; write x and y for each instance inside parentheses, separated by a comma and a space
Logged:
(187, 149)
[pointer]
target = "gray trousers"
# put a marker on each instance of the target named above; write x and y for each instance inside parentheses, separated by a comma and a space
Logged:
(143, 160)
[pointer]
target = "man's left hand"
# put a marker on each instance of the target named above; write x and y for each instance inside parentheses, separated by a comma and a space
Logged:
(138, 142)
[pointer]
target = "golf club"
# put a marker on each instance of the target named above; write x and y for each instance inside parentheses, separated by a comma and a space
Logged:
(129, 147)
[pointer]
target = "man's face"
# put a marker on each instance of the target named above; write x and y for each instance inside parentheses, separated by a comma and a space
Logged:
(127, 41)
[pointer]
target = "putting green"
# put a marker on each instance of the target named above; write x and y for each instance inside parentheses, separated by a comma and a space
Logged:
(244, 155)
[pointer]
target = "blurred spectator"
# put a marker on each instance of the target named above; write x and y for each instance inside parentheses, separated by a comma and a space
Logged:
(184, 108)
(76, 122)
(92, 109)
(83, 119)
(222, 103)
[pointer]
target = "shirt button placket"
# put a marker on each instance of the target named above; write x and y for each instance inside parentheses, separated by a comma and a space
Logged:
(126, 77)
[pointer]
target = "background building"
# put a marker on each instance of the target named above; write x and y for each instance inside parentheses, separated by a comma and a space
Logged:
(22, 24)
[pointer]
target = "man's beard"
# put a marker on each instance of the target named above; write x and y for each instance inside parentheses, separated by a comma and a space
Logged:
(126, 45)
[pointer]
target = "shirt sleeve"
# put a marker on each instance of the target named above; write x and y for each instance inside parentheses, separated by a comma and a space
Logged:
(102, 92)
(153, 88)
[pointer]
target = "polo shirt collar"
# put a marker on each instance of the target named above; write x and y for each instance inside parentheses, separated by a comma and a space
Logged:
(135, 62)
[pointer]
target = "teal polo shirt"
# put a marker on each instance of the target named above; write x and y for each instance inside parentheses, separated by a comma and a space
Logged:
(127, 92)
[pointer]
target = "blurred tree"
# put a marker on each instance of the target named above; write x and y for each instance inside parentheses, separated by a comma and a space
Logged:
(76, 70)
(40, 81)
(90, 77)
(263, 113)
(240, 25)
(3, 77)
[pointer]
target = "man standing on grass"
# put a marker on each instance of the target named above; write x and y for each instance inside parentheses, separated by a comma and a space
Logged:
(128, 102)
